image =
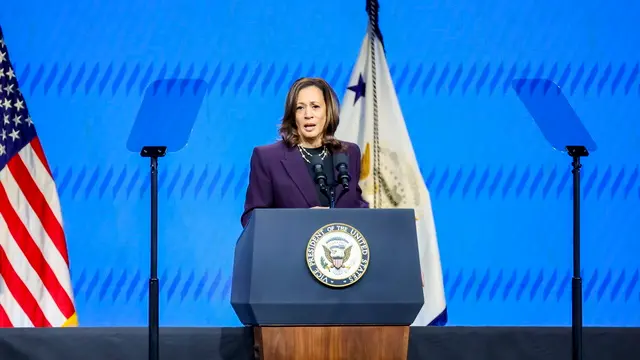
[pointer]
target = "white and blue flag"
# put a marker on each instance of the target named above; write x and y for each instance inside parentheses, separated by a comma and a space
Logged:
(370, 116)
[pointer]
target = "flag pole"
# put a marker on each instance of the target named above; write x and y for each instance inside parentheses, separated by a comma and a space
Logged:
(372, 9)
(576, 152)
(154, 152)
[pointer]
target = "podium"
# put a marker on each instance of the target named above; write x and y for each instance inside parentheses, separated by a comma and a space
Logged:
(328, 283)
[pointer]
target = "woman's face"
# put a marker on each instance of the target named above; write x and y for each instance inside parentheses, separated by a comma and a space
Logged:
(311, 116)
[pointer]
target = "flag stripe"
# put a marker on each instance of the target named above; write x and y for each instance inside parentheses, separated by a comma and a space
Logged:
(31, 279)
(33, 254)
(34, 226)
(15, 314)
(39, 171)
(4, 318)
(22, 295)
(37, 148)
(37, 200)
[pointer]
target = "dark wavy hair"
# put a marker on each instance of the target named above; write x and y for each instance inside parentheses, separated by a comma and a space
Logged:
(288, 129)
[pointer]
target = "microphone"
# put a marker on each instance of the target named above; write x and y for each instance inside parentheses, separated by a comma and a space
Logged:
(318, 173)
(341, 161)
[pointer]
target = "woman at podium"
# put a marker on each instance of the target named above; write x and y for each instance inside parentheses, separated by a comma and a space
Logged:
(308, 167)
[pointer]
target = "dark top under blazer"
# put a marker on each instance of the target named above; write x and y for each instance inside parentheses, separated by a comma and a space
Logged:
(279, 178)
(327, 163)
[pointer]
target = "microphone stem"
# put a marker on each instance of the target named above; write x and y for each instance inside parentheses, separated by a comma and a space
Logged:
(332, 197)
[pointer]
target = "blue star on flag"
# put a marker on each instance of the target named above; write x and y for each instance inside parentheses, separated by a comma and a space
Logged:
(358, 88)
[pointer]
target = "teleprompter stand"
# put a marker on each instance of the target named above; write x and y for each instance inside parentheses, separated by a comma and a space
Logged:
(154, 152)
(576, 152)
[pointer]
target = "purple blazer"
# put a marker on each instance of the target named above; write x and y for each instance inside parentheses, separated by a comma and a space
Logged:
(279, 178)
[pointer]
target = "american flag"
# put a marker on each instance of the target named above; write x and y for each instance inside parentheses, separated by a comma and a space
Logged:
(35, 285)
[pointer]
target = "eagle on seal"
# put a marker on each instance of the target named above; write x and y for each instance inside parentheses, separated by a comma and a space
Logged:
(337, 256)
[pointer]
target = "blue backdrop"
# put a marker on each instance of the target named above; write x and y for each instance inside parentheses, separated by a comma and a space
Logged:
(501, 194)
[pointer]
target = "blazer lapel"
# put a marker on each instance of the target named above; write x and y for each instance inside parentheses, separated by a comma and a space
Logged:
(299, 174)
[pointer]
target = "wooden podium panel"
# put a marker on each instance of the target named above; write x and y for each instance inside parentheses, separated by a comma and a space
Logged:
(331, 342)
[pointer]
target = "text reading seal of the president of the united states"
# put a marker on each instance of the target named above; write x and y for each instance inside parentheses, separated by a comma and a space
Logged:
(337, 255)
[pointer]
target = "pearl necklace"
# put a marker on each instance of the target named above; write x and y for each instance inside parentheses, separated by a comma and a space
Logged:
(322, 155)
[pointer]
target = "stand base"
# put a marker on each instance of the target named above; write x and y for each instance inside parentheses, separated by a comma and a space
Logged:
(331, 342)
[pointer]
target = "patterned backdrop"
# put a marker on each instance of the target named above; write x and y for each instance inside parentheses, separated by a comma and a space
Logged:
(215, 73)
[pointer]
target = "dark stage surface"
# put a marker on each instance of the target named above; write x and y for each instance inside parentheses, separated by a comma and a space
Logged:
(477, 343)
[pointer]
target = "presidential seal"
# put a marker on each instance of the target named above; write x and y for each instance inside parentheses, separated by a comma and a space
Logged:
(337, 255)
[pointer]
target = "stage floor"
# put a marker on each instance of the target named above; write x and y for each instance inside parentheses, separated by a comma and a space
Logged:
(477, 343)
